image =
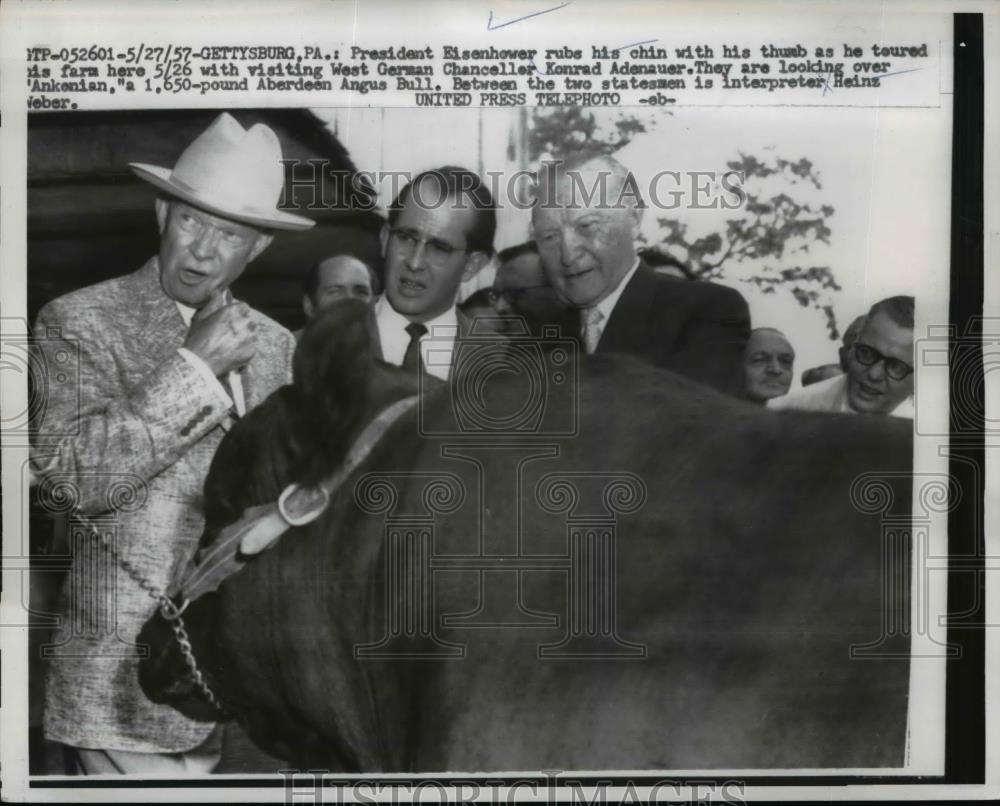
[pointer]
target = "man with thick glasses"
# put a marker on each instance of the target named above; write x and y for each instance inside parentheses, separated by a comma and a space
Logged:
(879, 377)
(439, 234)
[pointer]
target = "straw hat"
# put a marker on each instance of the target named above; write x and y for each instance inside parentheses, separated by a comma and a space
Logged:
(232, 172)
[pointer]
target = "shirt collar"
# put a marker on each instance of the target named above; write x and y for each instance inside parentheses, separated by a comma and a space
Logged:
(395, 321)
(187, 312)
(607, 305)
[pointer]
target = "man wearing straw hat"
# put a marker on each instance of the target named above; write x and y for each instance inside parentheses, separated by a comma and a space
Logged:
(166, 360)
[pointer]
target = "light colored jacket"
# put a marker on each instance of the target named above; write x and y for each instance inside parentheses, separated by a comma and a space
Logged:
(126, 431)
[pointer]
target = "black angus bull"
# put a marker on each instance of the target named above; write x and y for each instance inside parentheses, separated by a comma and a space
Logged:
(677, 585)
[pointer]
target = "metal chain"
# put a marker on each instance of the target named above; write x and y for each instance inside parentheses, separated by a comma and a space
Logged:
(167, 608)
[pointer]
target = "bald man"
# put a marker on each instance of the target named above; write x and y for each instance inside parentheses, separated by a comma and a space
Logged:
(770, 360)
(586, 223)
(826, 371)
(336, 278)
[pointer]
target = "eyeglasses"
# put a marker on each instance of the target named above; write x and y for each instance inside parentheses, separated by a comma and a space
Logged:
(436, 251)
(869, 356)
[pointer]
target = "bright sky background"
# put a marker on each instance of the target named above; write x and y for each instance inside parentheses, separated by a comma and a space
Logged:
(885, 172)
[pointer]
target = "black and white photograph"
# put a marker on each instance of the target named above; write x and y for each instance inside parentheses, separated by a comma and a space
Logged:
(540, 401)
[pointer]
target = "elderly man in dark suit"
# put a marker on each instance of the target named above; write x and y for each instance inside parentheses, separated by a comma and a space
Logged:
(439, 234)
(166, 360)
(586, 221)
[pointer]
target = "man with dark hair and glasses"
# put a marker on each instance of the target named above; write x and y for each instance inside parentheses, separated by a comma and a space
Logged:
(879, 376)
(522, 289)
(439, 234)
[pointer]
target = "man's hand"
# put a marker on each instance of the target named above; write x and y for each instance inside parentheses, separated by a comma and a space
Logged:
(222, 336)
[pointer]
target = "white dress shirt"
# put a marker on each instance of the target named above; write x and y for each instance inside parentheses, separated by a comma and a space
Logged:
(234, 379)
(437, 346)
(607, 305)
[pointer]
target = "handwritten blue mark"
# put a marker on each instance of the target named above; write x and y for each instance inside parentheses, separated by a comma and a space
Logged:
(828, 88)
(900, 72)
(535, 67)
(636, 44)
(491, 27)
(826, 83)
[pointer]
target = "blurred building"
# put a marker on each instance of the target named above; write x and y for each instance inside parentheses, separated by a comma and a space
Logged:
(90, 218)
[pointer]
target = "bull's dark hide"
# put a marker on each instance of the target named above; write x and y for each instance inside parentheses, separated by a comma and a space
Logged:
(744, 579)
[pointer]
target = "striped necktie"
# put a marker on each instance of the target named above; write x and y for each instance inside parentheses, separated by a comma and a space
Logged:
(591, 319)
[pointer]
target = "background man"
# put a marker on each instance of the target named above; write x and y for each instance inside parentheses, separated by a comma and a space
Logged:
(586, 223)
(336, 278)
(824, 371)
(879, 376)
(663, 263)
(439, 233)
(768, 366)
(165, 358)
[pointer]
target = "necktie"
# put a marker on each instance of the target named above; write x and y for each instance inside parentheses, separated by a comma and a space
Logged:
(233, 383)
(411, 359)
(591, 320)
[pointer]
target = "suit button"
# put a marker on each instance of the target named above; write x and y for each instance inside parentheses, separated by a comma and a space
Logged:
(206, 410)
(185, 430)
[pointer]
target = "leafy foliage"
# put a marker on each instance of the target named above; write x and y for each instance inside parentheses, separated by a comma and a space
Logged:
(774, 228)
(768, 241)
(562, 131)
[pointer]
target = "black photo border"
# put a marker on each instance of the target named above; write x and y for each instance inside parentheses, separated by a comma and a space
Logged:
(965, 692)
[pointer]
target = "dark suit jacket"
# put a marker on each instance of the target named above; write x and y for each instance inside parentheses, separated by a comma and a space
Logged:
(694, 328)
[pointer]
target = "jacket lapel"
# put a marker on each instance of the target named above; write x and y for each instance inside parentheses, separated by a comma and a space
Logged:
(634, 308)
(162, 330)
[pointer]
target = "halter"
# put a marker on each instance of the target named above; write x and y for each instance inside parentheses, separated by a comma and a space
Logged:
(259, 527)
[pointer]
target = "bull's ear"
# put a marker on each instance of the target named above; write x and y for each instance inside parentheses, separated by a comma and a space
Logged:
(335, 344)
(332, 372)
